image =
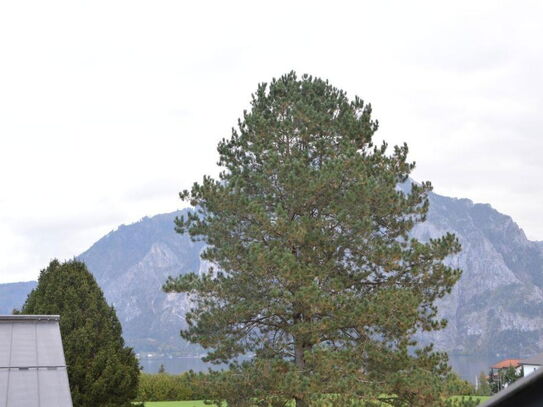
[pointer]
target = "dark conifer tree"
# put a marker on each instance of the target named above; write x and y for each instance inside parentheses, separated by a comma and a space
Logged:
(316, 273)
(103, 372)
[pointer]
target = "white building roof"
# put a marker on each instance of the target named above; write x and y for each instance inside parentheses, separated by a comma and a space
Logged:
(32, 365)
(534, 360)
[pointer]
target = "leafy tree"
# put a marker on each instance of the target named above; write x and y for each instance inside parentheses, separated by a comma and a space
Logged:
(314, 270)
(511, 375)
(503, 378)
(456, 386)
(484, 387)
(101, 370)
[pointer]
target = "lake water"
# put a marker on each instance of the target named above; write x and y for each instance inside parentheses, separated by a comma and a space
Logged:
(468, 367)
(177, 365)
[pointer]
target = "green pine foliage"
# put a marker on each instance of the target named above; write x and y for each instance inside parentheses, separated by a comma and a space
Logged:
(315, 272)
(102, 371)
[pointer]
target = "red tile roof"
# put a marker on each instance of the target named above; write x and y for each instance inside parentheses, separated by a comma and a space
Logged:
(506, 363)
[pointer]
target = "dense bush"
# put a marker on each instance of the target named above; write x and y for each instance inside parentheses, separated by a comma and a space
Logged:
(456, 386)
(164, 387)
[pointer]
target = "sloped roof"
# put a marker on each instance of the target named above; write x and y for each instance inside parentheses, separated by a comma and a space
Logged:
(32, 365)
(534, 360)
(506, 363)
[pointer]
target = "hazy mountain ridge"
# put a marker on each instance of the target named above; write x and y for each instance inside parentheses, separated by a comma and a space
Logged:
(13, 295)
(131, 264)
(497, 306)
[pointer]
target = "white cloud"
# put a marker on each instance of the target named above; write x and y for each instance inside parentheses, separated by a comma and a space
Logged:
(109, 108)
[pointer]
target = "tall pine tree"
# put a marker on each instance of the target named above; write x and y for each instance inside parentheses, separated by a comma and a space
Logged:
(315, 271)
(101, 370)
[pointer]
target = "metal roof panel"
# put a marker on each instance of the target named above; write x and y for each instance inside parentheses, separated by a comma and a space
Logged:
(23, 388)
(53, 385)
(49, 345)
(4, 374)
(23, 345)
(5, 341)
(32, 364)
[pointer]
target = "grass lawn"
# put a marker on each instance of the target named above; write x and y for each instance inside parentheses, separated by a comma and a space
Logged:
(194, 403)
(481, 398)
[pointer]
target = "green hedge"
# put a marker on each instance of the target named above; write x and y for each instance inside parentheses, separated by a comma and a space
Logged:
(164, 387)
(206, 386)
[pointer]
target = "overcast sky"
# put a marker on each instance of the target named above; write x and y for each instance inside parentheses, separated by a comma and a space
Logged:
(109, 108)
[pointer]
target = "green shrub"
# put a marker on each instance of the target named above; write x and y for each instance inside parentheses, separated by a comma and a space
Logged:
(458, 386)
(166, 387)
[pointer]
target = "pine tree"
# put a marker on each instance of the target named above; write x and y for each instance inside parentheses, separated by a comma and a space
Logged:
(315, 272)
(101, 370)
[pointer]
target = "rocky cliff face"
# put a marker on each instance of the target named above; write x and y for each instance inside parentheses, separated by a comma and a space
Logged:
(131, 264)
(497, 306)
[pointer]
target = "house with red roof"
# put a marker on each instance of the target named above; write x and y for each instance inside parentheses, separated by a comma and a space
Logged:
(499, 373)
(525, 392)
(506, 364)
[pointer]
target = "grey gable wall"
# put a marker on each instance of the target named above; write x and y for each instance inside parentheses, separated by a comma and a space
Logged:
(32, 365)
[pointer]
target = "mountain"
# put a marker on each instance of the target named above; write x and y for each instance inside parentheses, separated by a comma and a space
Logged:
(131, 264)
(496, 307)
(13, 295)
